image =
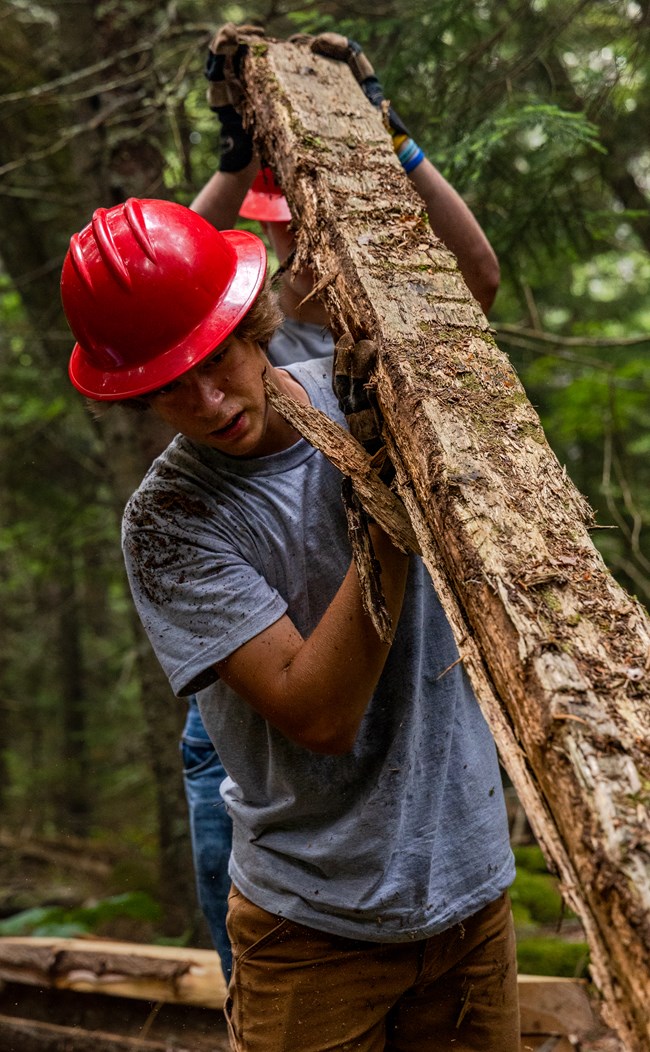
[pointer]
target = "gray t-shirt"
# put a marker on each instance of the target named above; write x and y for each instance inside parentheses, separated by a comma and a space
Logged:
(407, 833)
(299, 341)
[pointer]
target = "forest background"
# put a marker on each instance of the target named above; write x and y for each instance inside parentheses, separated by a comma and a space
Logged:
(535, 110)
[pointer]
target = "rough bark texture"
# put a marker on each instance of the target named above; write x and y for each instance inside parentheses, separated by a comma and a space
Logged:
(171, 974)
(558, 653)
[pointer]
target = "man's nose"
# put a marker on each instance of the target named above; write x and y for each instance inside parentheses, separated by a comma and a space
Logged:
(208, 396)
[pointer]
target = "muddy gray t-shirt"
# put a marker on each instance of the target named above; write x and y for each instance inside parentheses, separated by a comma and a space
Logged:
(299, 341)
(401, 837)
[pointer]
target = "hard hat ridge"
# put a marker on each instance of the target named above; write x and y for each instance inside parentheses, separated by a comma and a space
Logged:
(107, 248)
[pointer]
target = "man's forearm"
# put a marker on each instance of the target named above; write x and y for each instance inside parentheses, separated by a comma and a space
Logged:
(316, 690)
(345, 655)
(454, 223)
(220, 199)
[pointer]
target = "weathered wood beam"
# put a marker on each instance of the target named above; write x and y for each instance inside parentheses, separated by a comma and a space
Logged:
(554, 1006)
(172, 974)
(558, 653)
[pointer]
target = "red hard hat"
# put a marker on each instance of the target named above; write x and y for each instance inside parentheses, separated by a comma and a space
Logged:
(149, 289)
(265, 200)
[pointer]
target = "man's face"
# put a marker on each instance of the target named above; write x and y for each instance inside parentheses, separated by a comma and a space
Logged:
(282, 241)
(221, 403)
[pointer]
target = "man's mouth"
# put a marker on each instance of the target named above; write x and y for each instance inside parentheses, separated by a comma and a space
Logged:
(230, 428)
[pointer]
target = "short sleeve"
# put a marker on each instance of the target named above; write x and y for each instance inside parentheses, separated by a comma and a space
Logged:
(197, 595)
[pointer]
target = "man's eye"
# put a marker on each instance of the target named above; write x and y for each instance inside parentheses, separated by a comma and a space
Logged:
(165, 390)
(216, 358)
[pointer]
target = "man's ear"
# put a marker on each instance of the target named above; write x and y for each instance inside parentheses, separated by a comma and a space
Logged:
(99, 410)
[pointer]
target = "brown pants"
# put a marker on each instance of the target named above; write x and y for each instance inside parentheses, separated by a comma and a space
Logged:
(295, 989)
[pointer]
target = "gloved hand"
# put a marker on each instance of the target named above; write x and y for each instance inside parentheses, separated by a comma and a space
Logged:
(222, 69)
(333, 45)
(353, 364)
(352, 384)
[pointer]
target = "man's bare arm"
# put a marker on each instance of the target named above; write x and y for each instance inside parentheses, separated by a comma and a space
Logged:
(221, 198)
(454, 223)
(316, 690)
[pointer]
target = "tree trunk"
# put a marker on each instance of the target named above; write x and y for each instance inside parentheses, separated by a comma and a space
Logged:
(111, 153)
(76, 802)
(558, 653)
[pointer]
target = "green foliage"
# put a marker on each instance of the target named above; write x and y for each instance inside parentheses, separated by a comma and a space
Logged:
(56, 921)
(545, 955)
(530, 857)
(538, 909)
(535, 898)
(533, 111)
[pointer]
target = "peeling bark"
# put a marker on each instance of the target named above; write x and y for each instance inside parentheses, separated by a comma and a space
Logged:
(174, 975)
(558, 653)
(352, 460)
(368, 569)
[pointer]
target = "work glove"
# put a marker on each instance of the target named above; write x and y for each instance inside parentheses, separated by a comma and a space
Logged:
(222, 69)
(333, 45)
(351, 381)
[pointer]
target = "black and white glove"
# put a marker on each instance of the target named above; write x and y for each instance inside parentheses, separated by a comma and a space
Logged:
(222, 69)
(341, 48)
(351, 381)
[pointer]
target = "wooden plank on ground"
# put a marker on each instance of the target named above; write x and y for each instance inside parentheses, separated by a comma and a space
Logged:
(181, 975)
(174, 975)
(58, 981)
(552, 1005)
(172, 1025)
(26, 1035)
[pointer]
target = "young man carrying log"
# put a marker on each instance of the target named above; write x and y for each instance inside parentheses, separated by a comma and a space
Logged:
(304, 334)
(370, 859)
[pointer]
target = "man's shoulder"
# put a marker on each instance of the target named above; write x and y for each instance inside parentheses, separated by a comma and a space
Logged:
(171, 481)
(316, 378)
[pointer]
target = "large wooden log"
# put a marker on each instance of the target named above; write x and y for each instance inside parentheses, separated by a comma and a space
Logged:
(558, 653)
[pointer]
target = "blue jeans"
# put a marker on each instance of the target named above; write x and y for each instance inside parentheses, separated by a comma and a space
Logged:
(210, 829)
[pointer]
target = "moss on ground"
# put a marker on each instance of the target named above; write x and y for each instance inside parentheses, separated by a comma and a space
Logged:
(548, 955)
(538, 911)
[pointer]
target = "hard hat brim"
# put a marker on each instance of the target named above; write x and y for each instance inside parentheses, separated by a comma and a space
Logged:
(265, 208)
(232, 305)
